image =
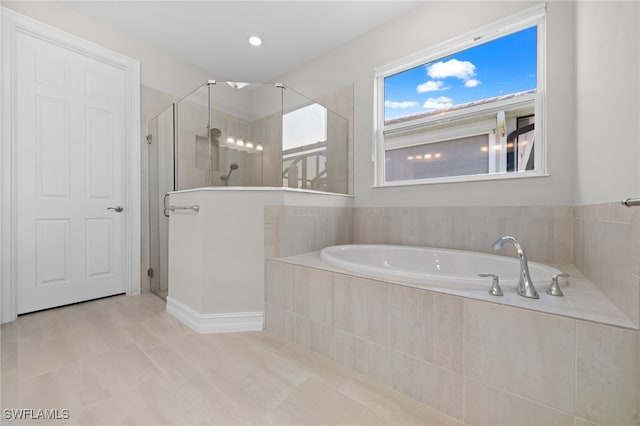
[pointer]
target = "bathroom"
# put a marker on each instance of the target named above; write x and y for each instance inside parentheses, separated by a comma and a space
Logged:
(552, 369)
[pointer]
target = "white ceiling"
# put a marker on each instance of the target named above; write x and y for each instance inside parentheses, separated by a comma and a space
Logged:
(213, 34)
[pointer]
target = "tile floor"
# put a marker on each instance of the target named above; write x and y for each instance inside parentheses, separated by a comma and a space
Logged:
(125, 361)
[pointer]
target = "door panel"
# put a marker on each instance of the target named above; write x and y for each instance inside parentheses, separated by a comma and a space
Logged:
(52, 151)
(70, 167)
(52, 257)
(99, 247)
(99, 145)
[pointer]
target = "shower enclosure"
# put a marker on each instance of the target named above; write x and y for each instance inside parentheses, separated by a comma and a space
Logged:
(240, 134)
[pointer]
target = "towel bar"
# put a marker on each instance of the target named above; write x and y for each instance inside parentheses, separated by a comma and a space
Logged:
(631, 202)
(195, 208)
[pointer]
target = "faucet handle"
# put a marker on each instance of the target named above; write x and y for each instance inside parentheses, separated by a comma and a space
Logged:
(495, 289)
(554, 288)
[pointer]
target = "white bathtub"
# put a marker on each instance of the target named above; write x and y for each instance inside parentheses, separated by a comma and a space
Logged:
(432, 266)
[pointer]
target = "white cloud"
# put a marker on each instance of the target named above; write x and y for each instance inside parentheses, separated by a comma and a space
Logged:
(431, 86)
(400, 105)
(472, 83)
(463, 70)
(438, 103)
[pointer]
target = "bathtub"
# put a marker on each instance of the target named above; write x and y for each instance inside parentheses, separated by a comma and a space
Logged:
(432, 266)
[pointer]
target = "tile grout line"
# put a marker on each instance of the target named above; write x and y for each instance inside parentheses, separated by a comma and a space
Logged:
(464, 361)
(575, 367)
(19, 390)
(373, 410)
(165, 377)
(522, 397)
(92, 355)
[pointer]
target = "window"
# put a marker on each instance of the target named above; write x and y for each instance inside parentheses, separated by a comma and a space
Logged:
(469, 109)
(304, 126)
(304, 147)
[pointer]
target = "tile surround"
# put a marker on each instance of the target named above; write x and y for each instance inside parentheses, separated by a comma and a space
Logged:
(465, 355)
(607, 251)
(526, 353)
(600, 240)
(293, 230)
(608, 376)
(341, 101)
(546, 232)
(486, 405)
(574, 379)
(404, 303)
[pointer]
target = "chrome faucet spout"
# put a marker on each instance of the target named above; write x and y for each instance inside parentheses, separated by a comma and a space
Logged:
(525, 284)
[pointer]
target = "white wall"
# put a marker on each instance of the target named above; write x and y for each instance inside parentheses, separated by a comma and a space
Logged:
(607, 101)
(421, 28)
(158, 69)
(216, 256)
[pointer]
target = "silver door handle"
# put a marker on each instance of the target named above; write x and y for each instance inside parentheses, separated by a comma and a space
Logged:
(118, 209)
(164, 205)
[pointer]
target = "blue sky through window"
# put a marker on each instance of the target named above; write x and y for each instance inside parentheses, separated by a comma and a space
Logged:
(496, 68)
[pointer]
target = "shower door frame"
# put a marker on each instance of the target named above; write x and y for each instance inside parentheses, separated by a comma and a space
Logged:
(158, 268)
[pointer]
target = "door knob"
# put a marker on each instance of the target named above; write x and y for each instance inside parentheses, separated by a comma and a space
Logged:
(118, 209)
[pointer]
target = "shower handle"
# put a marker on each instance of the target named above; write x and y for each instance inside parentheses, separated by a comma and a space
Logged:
(164, 205)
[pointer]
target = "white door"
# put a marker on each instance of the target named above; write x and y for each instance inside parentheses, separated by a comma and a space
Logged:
(70, 166)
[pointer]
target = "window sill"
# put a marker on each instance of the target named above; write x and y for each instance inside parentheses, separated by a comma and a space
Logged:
(469, 178)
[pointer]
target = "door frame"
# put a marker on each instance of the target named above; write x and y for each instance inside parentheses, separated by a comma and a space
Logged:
(12, 23)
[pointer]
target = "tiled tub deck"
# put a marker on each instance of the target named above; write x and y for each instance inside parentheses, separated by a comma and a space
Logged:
(479, 361)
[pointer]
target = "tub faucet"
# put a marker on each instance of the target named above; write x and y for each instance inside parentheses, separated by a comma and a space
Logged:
(525, 285)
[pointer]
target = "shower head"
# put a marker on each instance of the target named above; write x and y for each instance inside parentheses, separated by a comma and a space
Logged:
(232, 167)
(215, 133)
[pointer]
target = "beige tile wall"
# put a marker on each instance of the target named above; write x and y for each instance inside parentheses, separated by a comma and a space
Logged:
(479, 362)
(545, 231)
(607, 251)
(340, 101)
(268, 132)
(602, 241)
(293, 230)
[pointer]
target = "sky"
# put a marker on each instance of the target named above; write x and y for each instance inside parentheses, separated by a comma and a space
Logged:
(304, 126)
(498, 67)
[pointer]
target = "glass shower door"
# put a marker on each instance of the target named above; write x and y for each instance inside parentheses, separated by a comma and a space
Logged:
(193, 145)
(161, 181)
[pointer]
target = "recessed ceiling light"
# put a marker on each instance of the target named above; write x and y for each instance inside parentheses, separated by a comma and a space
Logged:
(255, 41)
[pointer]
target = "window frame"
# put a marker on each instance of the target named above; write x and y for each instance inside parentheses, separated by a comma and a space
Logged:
(527, 18)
